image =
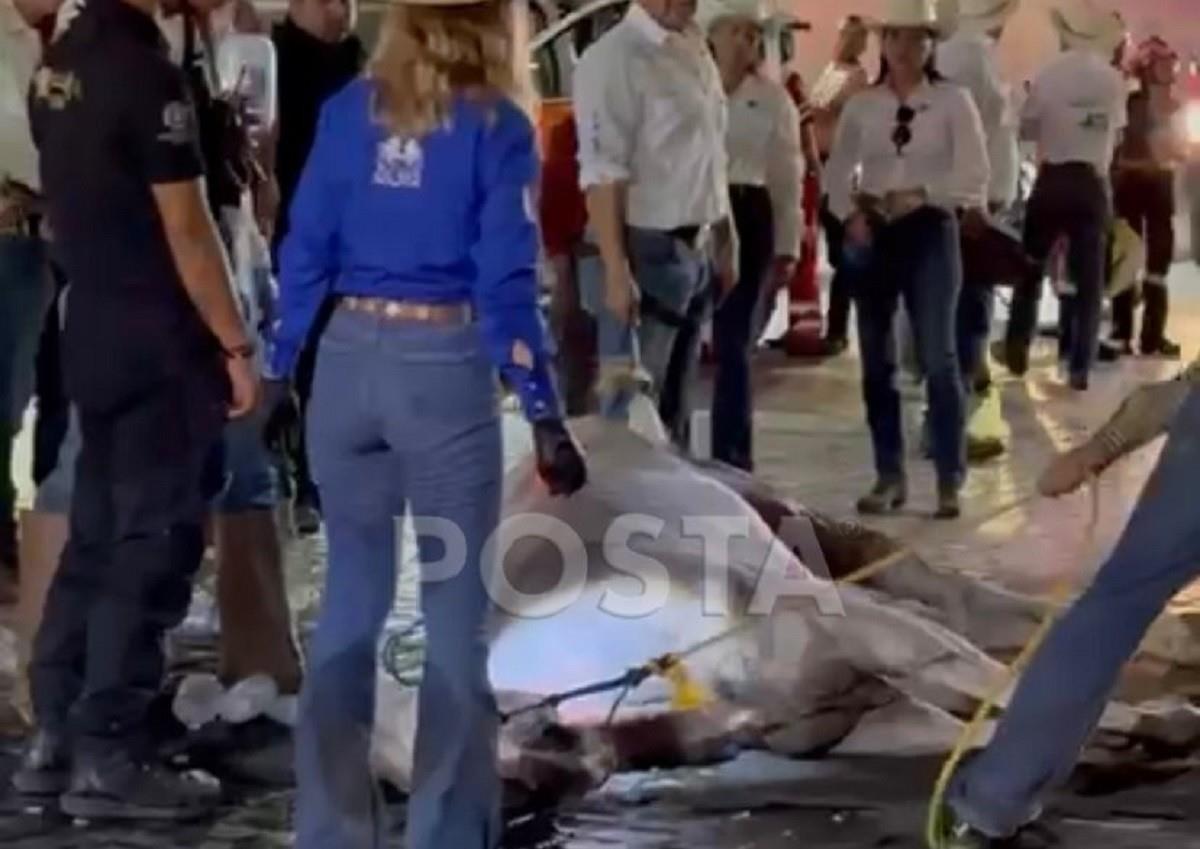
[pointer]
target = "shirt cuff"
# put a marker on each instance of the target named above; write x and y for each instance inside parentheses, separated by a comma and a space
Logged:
(601, 173)
(535, 387)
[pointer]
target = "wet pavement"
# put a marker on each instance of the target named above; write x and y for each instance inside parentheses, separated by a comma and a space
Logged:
(811, 444)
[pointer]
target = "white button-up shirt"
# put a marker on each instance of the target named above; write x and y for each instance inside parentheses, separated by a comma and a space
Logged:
(969, 59)
(764, 150)
(1076, 110)
(20, 52)
(947, 157)
(651, 113)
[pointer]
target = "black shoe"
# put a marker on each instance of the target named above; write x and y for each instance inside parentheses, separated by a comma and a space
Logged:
(1113, 351)
(119, 788)
(948, 506)
(886, 497)
(45, 772)
(1013, 355)
(835, 346)
(1079, 382)
(1165, 349)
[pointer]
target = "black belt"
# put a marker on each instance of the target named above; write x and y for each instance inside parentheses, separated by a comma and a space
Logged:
(688, 234)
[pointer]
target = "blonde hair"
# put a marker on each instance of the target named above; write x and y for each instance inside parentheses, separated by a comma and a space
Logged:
(428, 55)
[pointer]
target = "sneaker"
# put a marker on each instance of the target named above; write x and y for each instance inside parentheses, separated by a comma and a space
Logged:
(1164, 350)
(119, 788)
(948, 505)
(886, 497)
(45, 771)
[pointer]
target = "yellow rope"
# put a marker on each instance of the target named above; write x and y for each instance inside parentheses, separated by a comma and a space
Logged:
(934, 821)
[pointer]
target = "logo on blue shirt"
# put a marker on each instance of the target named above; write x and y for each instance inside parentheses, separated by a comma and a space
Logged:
(399, 164)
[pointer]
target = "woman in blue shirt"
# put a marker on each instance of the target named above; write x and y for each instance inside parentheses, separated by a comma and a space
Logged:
(414, 212)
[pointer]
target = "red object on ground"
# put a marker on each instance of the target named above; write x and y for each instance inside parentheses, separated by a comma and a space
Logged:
(805, 324)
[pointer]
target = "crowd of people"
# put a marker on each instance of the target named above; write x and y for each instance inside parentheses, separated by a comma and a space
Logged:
(362, 232)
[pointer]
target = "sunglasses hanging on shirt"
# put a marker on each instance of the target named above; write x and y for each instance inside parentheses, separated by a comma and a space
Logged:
(902, 136)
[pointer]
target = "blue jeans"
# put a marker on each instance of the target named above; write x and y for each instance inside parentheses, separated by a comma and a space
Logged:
(1065, 689)
(918, 258)
(401, 415)
(676, 276)
(25, 293)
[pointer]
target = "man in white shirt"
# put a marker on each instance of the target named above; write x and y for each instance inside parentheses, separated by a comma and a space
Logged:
(1075, 112)
(25, 287)
(765, 180)
(651, 118)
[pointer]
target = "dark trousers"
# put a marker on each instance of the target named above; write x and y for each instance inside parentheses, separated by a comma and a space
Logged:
(976, 305)
(917, 258)
(837, 322)
(1069, 200)
(733, 322)
(1146, 200)
(142, 481)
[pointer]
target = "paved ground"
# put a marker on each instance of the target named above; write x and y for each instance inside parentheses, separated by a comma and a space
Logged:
(812, 444)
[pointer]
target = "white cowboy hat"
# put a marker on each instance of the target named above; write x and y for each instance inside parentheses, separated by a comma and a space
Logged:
(711, 11)
(983, 16)
(909, 14)
(1083, 24)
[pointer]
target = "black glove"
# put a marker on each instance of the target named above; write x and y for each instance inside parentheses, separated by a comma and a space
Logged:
(559, 460)
(282, 419)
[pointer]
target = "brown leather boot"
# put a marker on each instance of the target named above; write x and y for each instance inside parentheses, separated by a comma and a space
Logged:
(256, 622)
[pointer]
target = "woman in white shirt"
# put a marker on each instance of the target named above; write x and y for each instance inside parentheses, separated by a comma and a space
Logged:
(765, 176)
(919, 147)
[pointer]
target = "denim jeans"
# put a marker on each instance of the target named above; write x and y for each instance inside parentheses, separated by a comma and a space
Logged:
(676, 276)
(402, 415)
(25, 293)
(1065, 689)
(918, 258)
(1069, 200)
(837, 321)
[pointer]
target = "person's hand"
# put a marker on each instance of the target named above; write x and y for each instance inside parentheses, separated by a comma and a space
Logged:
(783, 269)
(559, 460)
(245, 387)
(621, 293)
(974, 222)
(281, 411)
(858, 229)
(1068, 471)
(16, 204)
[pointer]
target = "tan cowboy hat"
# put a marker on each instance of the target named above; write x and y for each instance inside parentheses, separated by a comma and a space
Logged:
(909, 14)
(711, 11)
(1086, 25)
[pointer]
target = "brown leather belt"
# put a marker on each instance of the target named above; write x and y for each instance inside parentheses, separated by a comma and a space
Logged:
(451, 314)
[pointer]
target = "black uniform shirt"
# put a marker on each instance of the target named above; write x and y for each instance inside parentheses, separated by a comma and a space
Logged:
(112, 118)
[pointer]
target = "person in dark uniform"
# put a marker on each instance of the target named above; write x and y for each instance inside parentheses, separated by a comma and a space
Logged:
(156, 357)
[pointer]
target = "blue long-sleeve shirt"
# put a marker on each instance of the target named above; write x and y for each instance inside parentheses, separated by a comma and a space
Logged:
(441, 219)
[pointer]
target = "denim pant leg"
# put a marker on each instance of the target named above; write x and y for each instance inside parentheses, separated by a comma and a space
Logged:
(1065, 689)
(361, 481)
(875, 305)
(931, 297)
(456, 793)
